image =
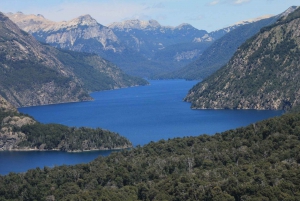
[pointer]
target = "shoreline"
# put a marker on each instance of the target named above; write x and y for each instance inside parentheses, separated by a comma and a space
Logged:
(79, 101)
(70, 151)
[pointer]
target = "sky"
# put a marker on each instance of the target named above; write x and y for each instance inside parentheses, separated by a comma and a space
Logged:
(208, 15)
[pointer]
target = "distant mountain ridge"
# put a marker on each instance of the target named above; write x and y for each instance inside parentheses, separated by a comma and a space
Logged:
(84, 27)
(37, 74)
(263, 73)
(220, 52)
(149, 36)
(135, 46)
(140, 48)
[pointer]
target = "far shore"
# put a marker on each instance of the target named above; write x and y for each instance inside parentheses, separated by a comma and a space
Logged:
(69, 151)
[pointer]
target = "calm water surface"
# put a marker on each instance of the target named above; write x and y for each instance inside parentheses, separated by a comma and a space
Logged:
(142, 114)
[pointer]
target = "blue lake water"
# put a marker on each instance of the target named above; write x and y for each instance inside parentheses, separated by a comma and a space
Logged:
(142, 114)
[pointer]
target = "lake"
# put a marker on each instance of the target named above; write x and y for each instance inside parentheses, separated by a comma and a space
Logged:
(142, 114)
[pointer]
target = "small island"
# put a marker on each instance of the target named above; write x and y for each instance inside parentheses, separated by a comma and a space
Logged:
(19, 132)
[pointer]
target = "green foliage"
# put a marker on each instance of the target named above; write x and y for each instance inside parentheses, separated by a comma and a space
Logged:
(263, 74)
(24, 75)
(96, 73)
(56, 136)
(257, 162)
(63, 138)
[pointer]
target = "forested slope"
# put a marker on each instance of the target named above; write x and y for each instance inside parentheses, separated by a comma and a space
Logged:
(257, 162)
(263, 73)
(19, 132)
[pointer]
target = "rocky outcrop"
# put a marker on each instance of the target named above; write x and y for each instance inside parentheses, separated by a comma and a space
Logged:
(10, 120)
(5, 106)
(263, 74)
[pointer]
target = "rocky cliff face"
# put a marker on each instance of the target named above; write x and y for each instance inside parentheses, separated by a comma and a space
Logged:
(263, 74)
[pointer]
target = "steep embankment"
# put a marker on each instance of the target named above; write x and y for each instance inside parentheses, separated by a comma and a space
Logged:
(263, 73)
(37, 74)
(19, 132)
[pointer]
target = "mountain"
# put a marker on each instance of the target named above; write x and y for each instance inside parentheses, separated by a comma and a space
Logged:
(37, 74)
(81, 28)
(149, 37)
(19, 132)
(133, 45)
(257, 162)
(165, 46)
(263, 73)
(220, 52)
(82, 34)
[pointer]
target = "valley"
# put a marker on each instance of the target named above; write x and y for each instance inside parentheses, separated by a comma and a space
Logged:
(97, 112)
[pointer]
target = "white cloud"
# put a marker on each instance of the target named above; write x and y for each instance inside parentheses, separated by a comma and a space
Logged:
(214, 2)
(235, 2)
(240, 1)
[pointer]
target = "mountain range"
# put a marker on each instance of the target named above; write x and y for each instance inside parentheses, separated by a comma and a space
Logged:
(256, 162)
(35, 74)
(141, 48)
(221, 51)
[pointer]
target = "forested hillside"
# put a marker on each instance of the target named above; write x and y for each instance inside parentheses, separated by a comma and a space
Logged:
(257, 162)
(263, 73)
(21, 132)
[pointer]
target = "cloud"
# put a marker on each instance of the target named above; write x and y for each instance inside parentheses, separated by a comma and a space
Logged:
(213, 3)
(240, 1)
(235, 2)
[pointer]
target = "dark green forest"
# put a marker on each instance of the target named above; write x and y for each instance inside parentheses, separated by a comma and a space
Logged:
(257, 162)
(64, 138)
